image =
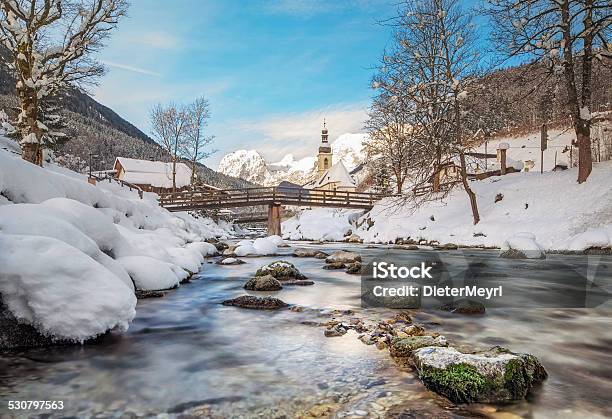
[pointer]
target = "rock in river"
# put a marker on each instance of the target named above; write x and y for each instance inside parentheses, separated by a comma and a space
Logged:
(493, 376)
(343, 256)
(464, 306)
(403, 347)
(334, 265)
(230, 261)
(309, 253)
(263, 283)
(281, 270)
(257, 303)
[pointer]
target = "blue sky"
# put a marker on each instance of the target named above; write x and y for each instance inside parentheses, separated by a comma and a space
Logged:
(271, 69)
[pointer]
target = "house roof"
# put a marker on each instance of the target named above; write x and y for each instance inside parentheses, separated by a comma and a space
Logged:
(155, 173)
(336, 174)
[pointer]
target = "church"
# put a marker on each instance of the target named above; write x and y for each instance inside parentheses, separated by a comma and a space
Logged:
(330, 176)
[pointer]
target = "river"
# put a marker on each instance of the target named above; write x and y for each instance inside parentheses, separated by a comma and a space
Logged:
(186, 354)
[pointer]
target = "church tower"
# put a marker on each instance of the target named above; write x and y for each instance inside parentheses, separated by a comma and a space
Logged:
(324, 159)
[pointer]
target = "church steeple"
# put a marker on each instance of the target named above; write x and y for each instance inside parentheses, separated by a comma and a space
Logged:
(324, 159)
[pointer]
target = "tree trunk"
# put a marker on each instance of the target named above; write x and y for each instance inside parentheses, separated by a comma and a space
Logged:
(581, 125)
(585, 158)
(30, 151)
(174, 174)
(468, 190)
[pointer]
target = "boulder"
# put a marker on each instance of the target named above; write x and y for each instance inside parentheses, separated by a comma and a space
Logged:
(406, 247)
(464, 306)
(281, 270)
(354, 238)
(403, 347)
(263, 283)
(354, 268)
(447, 246)
(334, 331)
(230, 261)
(256, 303)
(309, 253)
(493, 376)
(221, 246)
(335, 265)
(142, 294)
(343, 257)
(15, 334)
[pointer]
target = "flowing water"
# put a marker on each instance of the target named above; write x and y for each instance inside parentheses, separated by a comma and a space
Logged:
(187, 353)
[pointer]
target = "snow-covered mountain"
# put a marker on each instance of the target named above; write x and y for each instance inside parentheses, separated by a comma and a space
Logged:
(250, 164)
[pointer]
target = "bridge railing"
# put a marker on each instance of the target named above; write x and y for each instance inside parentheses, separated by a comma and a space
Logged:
(196, 198)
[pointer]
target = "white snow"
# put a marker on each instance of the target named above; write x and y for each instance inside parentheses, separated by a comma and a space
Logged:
(260, 247)
(60, 290)
(72, 252)
(551, 206)
(524, 242)
(154, 173)
(319, 224)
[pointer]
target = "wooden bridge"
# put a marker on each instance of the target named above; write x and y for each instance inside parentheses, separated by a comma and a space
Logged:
(273, 197)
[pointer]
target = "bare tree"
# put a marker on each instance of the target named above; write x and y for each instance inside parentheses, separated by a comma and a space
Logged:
(390, 140)
(566, 35)
(429, 73)
(51, 44)
(169, 125)
(194, 146)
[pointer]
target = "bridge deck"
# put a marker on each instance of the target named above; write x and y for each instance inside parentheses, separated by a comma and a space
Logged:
(232, 198)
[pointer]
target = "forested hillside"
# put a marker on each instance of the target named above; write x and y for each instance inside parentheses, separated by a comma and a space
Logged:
(94, 128)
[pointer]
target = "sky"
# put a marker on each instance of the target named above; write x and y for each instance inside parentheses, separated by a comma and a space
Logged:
(272, 70)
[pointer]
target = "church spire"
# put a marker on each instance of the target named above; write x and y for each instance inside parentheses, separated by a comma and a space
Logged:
(324, 134)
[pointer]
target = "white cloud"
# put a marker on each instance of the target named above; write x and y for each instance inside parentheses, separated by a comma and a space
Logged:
(300, 133)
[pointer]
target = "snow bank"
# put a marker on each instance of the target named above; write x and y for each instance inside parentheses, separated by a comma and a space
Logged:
(84, 247)
(561, 213)
(319, 224)
(60, 290)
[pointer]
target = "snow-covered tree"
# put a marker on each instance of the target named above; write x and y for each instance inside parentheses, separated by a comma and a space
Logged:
(195, 142)
(566, 35)
(169, 126)
(51, 44)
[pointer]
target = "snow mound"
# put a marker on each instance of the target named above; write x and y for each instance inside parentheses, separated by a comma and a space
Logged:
(318, 224)
(260, 247)
(150, 274)
(589, 239)
(265, 246)
(76, 300)
(525, 243)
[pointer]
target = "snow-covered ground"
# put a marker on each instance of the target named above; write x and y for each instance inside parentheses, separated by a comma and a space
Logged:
(70, 252)
(560, 213)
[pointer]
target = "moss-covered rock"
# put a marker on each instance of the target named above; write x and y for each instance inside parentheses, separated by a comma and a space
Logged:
(256, 303)
(281, 270)
(403, 347)
(493, 376)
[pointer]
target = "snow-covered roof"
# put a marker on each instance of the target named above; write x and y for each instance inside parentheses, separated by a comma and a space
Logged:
(336, 174)
(155, 173)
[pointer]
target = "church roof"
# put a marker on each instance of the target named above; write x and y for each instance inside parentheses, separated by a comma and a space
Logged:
(336, 174)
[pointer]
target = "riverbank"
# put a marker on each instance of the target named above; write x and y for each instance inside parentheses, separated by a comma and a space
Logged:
(187, 354)
(561, 214)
